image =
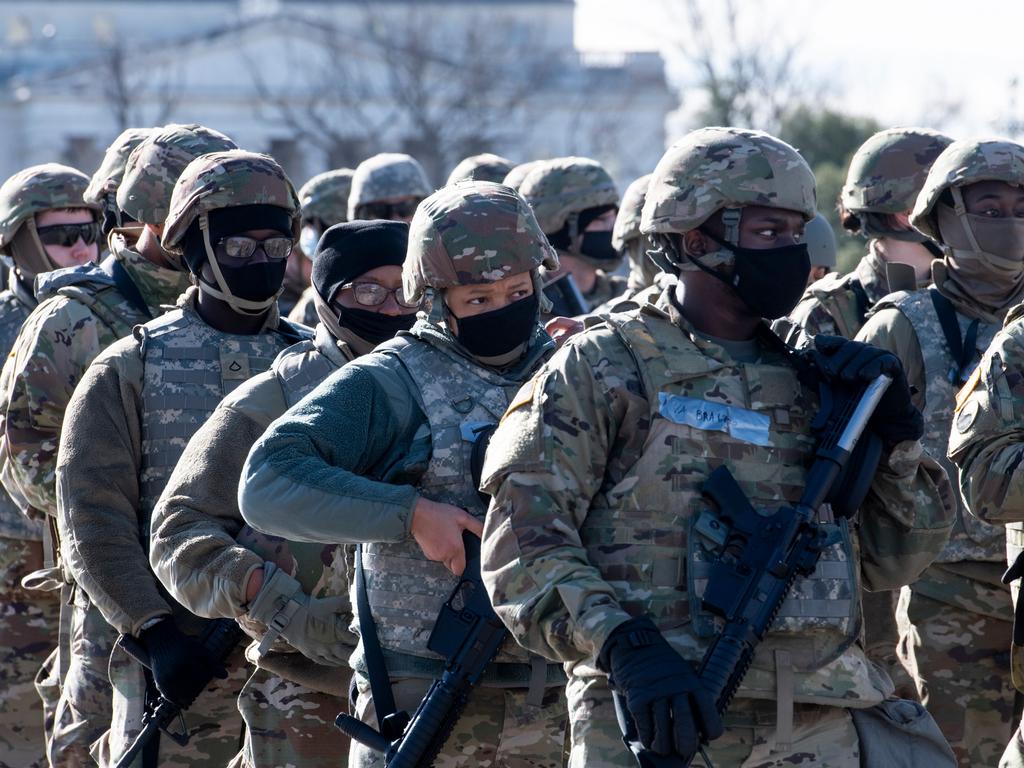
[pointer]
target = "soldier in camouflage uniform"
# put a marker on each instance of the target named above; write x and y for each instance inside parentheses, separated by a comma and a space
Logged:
(28, 620)
(387, 186)
(515, 177)
(954, 622)
(882, 183)
(575, 201)
(593, 548)
(102, 189)
(233, 219)
(290, 702)
(82, 311)
(324, 201)
(485, 167)
(380, 455)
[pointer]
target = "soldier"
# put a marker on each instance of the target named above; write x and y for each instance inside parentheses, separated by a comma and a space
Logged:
(380, 455)
(575, 202)
(43, 225)
(518, 174)
(955, 622)
(387, 186)
(233, 219)
(821, 247)
(485, 167)
(324, 200)
(102, 189)
(882, 183)
(290, 702)
(592, 550)
(81, 312)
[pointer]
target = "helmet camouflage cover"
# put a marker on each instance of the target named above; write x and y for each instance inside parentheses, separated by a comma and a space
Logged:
(469, 233)
(557, 189)
(518, 174)
(227, 180)
(889, 169)
(108, 176)
(36, 189)
(325, 196)
(485, 167)
(384, 176)
(627, 222)
(153, 168)
(963, 163)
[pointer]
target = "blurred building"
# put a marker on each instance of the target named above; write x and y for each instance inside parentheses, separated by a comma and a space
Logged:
(322, 84)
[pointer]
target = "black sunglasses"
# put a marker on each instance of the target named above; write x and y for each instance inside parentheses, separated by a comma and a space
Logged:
(67, 235)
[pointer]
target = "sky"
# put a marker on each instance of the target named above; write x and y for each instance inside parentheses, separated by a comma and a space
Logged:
(948, 64)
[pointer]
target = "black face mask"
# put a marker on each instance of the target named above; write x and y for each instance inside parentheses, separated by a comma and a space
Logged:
(374, 327)
(254, 282)
(770, 281)
(497, 333)
(598, 246)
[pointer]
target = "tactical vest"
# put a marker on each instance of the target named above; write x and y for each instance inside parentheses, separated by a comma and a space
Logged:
(13, 523)
(188, 368)
(300, 368)
(653, 537)
(972, 539)
(405, 590)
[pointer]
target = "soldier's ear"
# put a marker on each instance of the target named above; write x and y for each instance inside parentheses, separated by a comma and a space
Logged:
(694, 243)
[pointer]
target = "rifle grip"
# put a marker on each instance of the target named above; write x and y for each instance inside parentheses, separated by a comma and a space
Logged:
(134, 648)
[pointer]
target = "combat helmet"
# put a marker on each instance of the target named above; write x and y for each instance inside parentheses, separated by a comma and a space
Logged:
(485, 167)
(885, 175)
(558, 190)
(228, 179)
(384, 176)
(963, 163)
(102, 189)
(324, 198)
(28, 192)
(627, 238)
(821, 242)
(712, 169)
(473, 232)
(154, 165)
(518, 174)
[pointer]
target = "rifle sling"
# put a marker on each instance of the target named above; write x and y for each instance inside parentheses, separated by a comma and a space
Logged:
(961, 349)
(376, 667)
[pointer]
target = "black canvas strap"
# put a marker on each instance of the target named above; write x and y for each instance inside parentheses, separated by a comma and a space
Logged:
(376, 666)
(961, 347)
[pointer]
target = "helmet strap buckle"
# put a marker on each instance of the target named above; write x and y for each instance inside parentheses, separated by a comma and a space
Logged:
(731, 220)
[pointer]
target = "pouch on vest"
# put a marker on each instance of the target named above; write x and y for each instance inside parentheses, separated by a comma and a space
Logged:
(899, 733)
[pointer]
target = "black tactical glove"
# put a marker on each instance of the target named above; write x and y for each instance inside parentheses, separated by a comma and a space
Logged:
(672, 710)
(180, 665)
(895, 419)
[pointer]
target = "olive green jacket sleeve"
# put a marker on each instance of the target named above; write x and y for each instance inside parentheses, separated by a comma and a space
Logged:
(987, 439)
(193, 547)
(98, 496)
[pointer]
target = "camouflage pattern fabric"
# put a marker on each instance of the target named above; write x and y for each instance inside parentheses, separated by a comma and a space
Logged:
(102, 189)
(557, 189)
(226, 180)
(485, 167)
(386, 176)
(154, 166)
(562, 575)
(823, 737)
(28, 626)
(960, 661)
(888, 170)
(518, 174)
(965, 162)
(304, 311)
(627, 238)
(498, 729)
(472, 232)
(36, 189)
(325, 196)
(606, 288)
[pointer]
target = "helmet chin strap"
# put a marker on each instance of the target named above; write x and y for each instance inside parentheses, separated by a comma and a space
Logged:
(241, 306)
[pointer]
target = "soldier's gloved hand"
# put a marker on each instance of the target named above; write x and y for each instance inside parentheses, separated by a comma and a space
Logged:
(672, 710)
(314, 626)
(895, 419)
(180, 665)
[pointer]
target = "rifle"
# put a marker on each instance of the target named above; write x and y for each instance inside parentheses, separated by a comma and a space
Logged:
(763, 554)
(468, 634)
(219, 639)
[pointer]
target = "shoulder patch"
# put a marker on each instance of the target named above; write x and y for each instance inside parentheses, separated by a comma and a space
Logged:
(967, 388)
(523, 397)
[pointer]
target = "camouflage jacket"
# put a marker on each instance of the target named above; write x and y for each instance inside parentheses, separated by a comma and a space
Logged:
(605, 289)
(570, 444)
(15, 305)
(80, 313)
(127, 423)
(831, 305)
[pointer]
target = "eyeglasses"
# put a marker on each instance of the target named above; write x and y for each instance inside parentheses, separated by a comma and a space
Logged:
(401, 210)
(375, 294)
(242, 248)
(67, 235)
